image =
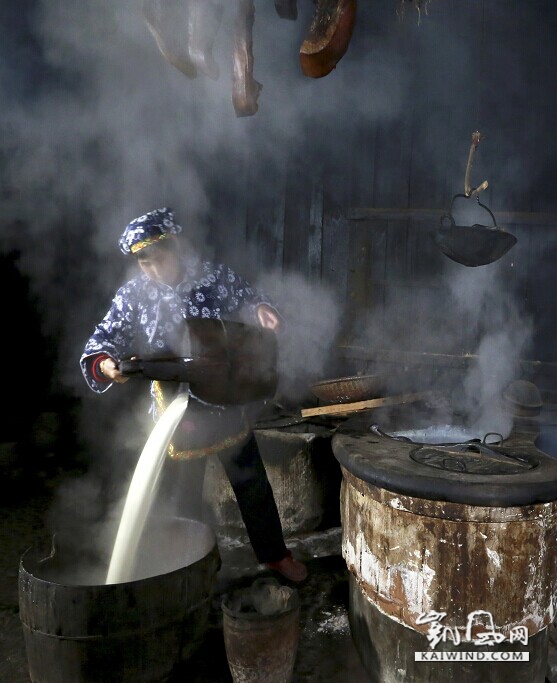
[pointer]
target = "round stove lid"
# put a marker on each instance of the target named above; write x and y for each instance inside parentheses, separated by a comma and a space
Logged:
(512, 473)
(473, 458)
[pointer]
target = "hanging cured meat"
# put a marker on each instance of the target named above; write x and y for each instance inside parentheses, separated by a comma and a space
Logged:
(168, 22)
(287, 9)
(245, 89)
(185, 32)
(328, 38)
(204, 22)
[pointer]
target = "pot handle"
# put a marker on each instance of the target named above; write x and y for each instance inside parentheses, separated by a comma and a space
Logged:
(498, 443)
(488, 211)
(447, 221)
(449, 217)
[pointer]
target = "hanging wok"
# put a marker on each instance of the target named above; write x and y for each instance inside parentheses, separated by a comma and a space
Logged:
(472, 245)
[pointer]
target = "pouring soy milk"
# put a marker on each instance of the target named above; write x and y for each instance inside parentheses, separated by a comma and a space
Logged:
(142, 492)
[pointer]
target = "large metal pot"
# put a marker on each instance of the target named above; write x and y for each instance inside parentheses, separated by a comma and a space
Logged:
(229, 363)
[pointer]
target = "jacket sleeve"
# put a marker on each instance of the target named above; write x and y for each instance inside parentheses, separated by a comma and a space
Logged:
(113, 336)
(240, 294)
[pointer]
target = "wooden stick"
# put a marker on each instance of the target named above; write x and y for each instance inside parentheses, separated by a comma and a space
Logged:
(339, 408)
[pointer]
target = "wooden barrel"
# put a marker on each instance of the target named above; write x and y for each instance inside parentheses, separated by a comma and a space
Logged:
(423, 560)
(261, 647)
(134, 632)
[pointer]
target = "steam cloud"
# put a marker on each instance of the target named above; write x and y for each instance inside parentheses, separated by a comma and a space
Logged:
(113, 130)
(311, 314)
(473, 313)
(100, 128)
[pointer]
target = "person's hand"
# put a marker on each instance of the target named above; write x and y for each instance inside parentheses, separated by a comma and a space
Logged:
(268, 317)
(110, 370)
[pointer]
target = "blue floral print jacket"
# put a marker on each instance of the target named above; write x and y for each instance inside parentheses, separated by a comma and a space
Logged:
(147, 317)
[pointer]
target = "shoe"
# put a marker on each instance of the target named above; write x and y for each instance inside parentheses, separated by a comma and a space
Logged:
(291, 569)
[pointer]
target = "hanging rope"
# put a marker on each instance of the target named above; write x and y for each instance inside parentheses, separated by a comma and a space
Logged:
(468, 190)
(476, 135)
(481, 68)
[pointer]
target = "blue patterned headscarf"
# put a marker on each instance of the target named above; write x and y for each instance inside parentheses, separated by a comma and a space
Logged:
(148, 229)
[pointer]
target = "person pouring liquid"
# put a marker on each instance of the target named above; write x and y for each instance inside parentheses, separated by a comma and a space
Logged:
(148, 317)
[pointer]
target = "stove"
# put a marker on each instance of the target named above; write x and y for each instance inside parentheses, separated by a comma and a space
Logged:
(452, 528)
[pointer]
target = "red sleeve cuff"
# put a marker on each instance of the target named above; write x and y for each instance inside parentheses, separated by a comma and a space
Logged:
(95, 369)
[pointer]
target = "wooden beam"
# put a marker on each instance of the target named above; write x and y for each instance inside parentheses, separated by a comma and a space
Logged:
(425, 358)
(393, 214)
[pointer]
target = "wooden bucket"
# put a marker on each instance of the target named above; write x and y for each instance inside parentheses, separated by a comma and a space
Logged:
(261, 648)
(133, 632)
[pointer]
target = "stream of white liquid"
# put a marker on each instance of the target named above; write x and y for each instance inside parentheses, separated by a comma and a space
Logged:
(142, 492)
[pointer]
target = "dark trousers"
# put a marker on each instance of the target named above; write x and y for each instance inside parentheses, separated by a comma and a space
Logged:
(247, 475)
(183, 484)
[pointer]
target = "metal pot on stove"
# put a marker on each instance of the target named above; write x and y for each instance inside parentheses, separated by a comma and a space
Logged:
(472, 455)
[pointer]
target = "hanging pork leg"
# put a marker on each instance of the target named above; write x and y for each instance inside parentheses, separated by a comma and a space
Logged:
(245, 89)
(287, 9)
(328, 38)
(168, 22)
(204, 21)
(185, 31)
